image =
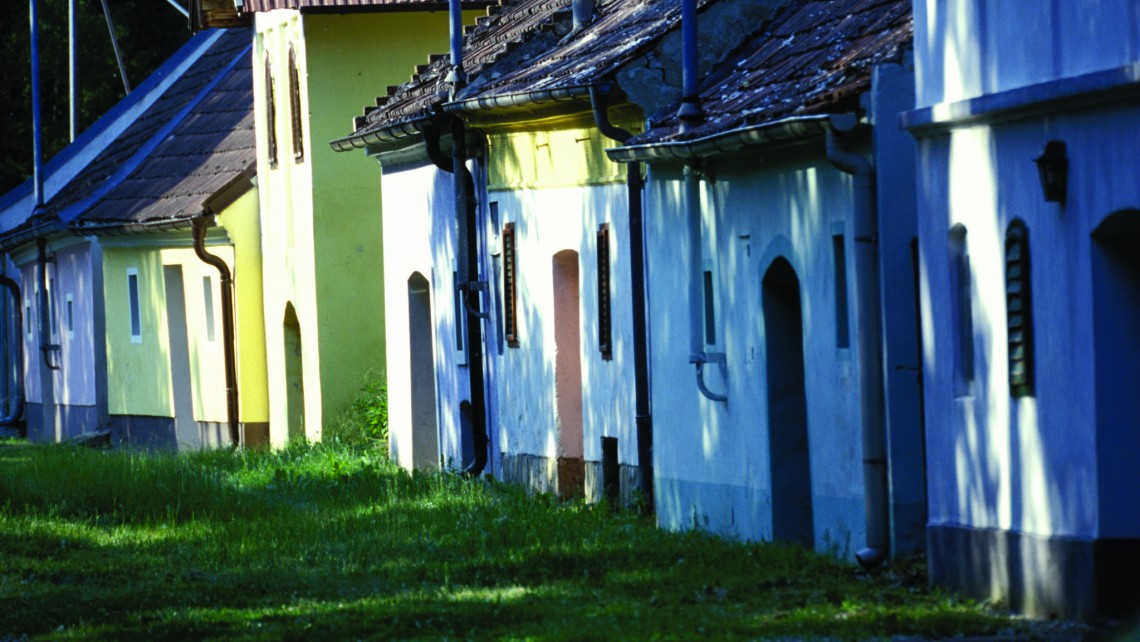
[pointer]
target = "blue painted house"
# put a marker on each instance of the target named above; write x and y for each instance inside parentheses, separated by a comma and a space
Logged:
(1027, 124)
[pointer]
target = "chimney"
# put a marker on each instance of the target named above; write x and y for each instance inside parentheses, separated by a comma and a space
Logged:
(583, 13)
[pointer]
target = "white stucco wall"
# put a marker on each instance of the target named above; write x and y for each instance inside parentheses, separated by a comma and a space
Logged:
(420, 237)
(966, 48)
(711, 461)
(1028, 464)
(548, 221)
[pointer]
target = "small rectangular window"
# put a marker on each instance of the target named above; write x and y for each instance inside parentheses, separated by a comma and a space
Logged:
(710, 311)
(28, 317)
(69, 311)
(839, 254)
(510, 286)
(493, 210)
(208, 296)
(605, 332)
(133, 302)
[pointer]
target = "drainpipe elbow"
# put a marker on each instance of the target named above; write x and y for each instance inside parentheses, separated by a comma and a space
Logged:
(871, 557)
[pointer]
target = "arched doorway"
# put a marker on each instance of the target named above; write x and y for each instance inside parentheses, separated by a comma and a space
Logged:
(1116, 317)
(568, 374)
(425, 429)
(787, 407)
(294, 376)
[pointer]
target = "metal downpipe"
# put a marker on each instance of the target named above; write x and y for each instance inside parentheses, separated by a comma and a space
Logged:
(474, 410)
(200, 225)
(697, 354)
(634, 186)
(869, 328)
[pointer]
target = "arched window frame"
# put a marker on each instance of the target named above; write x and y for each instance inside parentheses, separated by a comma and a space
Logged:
(295, 107)
(270, 114)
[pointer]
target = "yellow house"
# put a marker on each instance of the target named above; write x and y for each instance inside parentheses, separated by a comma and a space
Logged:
(130, 327)
(320, 211)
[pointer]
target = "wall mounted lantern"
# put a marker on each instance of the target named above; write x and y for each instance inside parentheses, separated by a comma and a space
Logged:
(1053, 167)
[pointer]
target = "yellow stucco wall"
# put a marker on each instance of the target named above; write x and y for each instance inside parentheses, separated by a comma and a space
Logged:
(242, 224)
(554, 157)
(138, 373)
(321, 241)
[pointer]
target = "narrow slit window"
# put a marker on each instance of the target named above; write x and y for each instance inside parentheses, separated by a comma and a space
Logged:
(28, 317)
(133, 303)
(842, 322)
(1019, 310)
(53, 312)
(510, 287)
(208, 300)
(270, 114)
(962, 310)
(460, 319)
(295, 106)
(69, 311)
(710, 309)
(605, 332)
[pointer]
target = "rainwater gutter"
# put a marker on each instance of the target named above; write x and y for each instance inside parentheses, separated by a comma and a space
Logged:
(17, 410)
(522, 102)
(474, 410)
(200, 225)
(634, 187)
(869, 324)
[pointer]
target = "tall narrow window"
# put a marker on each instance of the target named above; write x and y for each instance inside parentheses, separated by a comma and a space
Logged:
(460, 320)
(270, 114)
(69, 316)
(605, 332)
(208, 300)
(28, 317)
(510, 287)
(962, 311)
(1019, 309)
(710, 309)
(295, 106)
(133, 303)
(842, 323)
(53, 312)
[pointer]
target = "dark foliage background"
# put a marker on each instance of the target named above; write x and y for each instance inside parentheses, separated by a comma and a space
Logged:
(149, 32)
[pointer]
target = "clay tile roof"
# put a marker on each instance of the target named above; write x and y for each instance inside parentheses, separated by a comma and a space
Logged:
(814, 57)
(269, 5)
(521, 48)
(211, 147)
(150, 123)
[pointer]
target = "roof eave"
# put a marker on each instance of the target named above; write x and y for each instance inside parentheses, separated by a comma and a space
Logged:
(777, 132)
(387, 135)
(527, 103)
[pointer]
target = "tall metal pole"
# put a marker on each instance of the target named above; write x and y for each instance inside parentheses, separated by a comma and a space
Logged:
(37, 123)
(72, 65)
(115, 46)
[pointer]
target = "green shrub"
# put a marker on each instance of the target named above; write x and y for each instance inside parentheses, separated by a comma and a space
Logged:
(365, 423)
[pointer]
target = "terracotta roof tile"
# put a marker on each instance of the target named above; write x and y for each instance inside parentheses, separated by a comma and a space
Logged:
(213, 145)
(152, 121)
(814, 57)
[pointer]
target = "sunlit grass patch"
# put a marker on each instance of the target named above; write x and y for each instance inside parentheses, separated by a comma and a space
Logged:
(334, 542)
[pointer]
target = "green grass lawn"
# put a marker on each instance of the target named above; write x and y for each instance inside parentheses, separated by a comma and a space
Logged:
(334, 542)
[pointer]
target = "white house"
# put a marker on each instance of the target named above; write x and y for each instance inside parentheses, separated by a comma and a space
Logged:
(1027, 124)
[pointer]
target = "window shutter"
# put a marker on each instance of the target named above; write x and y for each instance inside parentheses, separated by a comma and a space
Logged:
(510, 286)
(1019, 310)
(605, 334)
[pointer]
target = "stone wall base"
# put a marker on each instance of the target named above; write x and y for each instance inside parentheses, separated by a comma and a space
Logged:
(1042, 577)
(569, 477)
